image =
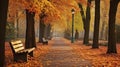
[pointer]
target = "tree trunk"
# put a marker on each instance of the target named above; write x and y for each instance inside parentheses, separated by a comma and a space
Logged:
(85, 40)
(96, 24)
(103, 19)
(48, 31)
(41, 27)
(82, 14)
(106, 33)
(41, 30)
(102, 31)
(3, 18)
(86, 22)
(111, 32)
(30, 31)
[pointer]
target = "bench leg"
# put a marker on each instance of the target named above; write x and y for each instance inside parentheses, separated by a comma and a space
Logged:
(20, 57)
(45, 43)
(31, 54)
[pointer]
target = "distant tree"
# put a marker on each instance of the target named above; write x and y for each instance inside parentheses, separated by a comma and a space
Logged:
(30, 31)
(112, 32)
(67, 34)
(48, 31)
(96, 24)
(48, 14)
(76, 35)
(3, 18)
(17, 24)
(10, 31)
(14, 14)
(103, 18)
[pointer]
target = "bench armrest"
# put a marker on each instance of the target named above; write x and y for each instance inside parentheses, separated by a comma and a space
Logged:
(22, 51)
(30, 49)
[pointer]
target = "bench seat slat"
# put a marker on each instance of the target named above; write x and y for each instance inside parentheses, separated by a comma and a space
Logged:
(26, 50)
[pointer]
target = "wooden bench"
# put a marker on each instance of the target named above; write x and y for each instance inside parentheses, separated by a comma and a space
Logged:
(45, 41)
(19, 52)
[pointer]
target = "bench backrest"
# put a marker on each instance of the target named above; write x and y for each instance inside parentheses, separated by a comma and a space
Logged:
(44, 39)
(16, 46)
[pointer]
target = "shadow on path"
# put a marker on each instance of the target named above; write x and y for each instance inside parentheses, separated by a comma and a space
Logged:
(62, 55)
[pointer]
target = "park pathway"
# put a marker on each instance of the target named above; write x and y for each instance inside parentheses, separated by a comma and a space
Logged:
(62, 55)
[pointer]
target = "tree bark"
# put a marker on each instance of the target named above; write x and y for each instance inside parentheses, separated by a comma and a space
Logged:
(86, 22)
(111, 27)
(82, 14)
(48, 31)
(41, 27)
(41, 30)
(30, 31)
(102, 31)
(3, 18)
(96, 24)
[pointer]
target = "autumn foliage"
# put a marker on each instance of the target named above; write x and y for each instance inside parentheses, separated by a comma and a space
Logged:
(59, 12)
(98, 57)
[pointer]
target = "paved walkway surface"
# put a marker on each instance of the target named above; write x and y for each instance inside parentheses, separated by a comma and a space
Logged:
(62, 55)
